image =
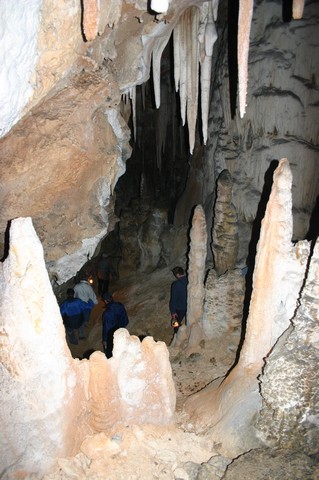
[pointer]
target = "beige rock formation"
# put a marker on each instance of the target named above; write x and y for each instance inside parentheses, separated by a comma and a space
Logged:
(61, 169)
(223, 313)
(226, 409)
(225, 226)
(50, 401)
(134, 386)
(196, 268)
(43, 396)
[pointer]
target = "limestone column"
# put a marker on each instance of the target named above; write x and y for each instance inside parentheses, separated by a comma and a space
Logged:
(227, 408)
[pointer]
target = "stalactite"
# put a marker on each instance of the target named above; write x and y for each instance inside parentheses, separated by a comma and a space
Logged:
(176, 50)
(132, 93)
(192, 77)
(90, 21)
(157, 55)
(208, 39)
(297, 9)
(244, 24)
(194, 38)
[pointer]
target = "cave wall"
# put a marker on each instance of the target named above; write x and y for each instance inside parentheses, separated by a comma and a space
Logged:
(64, 141)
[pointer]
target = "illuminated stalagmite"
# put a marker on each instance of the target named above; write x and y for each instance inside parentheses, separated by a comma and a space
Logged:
(42, 386)
(50, 401)
(226, 409)
(196, 269)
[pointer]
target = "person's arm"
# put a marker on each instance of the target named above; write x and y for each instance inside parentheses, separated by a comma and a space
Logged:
(124, 318)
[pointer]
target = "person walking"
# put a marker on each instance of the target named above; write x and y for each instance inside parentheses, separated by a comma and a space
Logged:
(73, 313)
(178, 298)
(105, 270)
(85, 292)
(113, 318)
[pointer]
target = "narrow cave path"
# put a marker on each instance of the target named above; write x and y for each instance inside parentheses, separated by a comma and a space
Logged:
(146, 299)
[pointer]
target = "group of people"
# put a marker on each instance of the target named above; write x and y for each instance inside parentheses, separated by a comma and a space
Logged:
(76, 308)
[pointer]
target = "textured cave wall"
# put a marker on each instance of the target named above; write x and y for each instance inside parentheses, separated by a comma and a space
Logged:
(65, 142)
(290, 385)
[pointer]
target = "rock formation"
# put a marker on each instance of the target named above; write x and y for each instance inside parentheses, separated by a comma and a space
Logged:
(72, 90)
(222, 315)
(289, 385)
(227, 408)
(43, 393)
(225, 229)
(119, 395)
(50, 401)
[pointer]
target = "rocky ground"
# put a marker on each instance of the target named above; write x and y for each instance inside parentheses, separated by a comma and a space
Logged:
(170, 452)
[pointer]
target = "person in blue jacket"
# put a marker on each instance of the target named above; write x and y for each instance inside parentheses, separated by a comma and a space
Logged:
(113, 318)
(178, 299)
(73, 311)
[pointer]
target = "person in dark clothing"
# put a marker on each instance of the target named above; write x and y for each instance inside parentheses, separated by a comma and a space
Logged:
(178, 299)
(105, 270)
(73, 311)
(113, 318)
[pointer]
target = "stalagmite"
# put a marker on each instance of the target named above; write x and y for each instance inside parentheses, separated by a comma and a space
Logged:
(244, 24)
(42, 388)
(297, 9)
(196, 271)
(225, 226)
(226, 409)
(135, 386)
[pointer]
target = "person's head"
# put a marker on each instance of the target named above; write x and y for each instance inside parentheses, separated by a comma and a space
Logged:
(70, 293)
(178, 272)
(82, 276)
(107, 298)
